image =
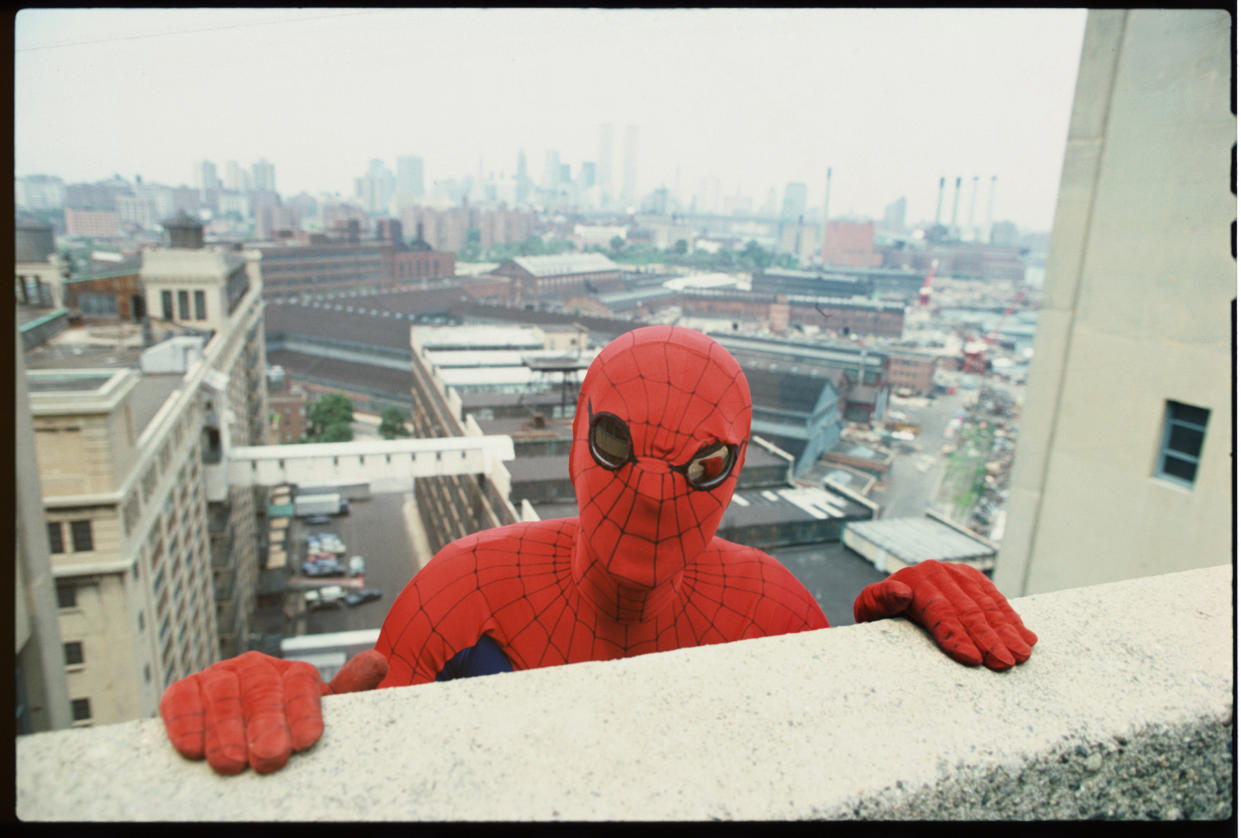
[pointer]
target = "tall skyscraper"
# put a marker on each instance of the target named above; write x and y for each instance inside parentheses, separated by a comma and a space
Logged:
(523, 178)
(263, 175)
(794, 205)
(588, 174)
(551, 170)
(605, 159)
(894, 216)
(205, 177)
(375, 188)
(235, 177)
(409, 176)
(630, 188)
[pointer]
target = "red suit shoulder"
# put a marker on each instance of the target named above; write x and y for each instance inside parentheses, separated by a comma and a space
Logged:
(743, 592)
(473, 586)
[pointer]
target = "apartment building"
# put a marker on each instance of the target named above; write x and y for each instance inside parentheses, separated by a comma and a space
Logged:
(154, 556)
(93, 223)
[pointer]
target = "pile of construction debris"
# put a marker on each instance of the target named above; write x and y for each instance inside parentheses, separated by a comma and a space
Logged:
(998, 409)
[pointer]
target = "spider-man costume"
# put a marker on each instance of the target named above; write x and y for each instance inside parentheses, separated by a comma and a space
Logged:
(659, 439)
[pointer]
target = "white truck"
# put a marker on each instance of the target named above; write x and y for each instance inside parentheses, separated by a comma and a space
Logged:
(326, 597)
(323, 504)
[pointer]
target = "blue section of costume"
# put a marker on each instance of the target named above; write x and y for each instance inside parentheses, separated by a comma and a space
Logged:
(483, 658)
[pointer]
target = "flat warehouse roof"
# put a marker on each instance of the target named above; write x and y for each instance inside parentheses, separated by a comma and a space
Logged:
(917, 539)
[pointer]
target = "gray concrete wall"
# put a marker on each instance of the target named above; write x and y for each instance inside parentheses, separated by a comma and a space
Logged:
(1135, 311)
(1125, 710)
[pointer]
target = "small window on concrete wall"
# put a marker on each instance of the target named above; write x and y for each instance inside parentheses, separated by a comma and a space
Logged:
(73, 653)
(200, 305)
(83, 539)
(165, 299)
(1184, 429)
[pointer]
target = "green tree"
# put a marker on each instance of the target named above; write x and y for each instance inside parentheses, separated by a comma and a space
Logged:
(618, 243)
(392, 423)
(755, 255)
(331, 419)
(471, 251)
(681, 247)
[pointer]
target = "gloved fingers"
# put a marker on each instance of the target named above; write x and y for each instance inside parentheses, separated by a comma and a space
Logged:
(261, 691)
(1020, 650)
(995, 653)
(886, 598)
(939, 618)
(181, 708)
(302, 709)
(225, 739)
(966, 590)
(1012, 618)
(362, 672)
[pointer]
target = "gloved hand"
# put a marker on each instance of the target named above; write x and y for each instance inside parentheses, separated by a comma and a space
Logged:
(255, 709)
(965, 613)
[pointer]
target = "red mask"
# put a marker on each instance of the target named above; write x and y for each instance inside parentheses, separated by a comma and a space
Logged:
(658, 442)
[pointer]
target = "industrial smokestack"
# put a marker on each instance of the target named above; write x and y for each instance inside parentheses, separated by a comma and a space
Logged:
(990, 207)
(956, 199)
(973, 200)
(827, 195)
(939, 202)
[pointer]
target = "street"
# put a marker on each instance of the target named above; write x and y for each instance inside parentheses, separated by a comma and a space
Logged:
(911, 481)
(377, 529)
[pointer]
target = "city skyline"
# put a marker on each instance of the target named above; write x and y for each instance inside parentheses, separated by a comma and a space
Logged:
(749, 99)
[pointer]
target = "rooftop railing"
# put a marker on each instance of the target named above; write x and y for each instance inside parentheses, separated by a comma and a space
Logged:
(1125, 710)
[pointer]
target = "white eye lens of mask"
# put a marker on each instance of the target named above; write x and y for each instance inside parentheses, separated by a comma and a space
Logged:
(609, 441)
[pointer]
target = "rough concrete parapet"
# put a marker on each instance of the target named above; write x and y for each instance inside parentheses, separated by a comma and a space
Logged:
(1124, 711)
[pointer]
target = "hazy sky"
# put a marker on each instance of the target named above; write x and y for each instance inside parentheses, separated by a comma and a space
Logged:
(891, 100)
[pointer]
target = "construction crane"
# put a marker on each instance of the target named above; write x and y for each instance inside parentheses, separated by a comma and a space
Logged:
(924, 293)
(974, 351)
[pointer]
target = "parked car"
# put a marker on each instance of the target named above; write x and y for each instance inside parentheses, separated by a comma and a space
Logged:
(318, 519)
(357, 566)
(364, 595)
(333, 596)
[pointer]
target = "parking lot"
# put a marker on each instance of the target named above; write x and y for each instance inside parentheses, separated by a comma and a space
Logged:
(379, 530)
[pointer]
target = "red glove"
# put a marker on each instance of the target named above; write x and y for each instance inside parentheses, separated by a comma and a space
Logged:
(965, 613)
(257, 709)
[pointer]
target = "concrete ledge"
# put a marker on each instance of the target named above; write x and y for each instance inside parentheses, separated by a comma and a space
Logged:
(1124, 711)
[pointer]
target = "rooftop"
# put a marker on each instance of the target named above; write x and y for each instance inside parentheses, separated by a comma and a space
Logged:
(303, 367)
(787, 506)
(831, 353)
(1125, 711)
(917, 539)
(569, 263)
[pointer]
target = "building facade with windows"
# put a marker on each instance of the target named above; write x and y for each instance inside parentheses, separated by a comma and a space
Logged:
(568, 275)
(1124, 463)
(154, 555)
(126, 528)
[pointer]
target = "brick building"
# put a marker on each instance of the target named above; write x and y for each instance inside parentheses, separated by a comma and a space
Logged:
(846, 317)
(914, 371)
(414, 262)
(323, 266)
(850, 243)
(286, 405)
(114, 294)
(96, 224)
(569, 275)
